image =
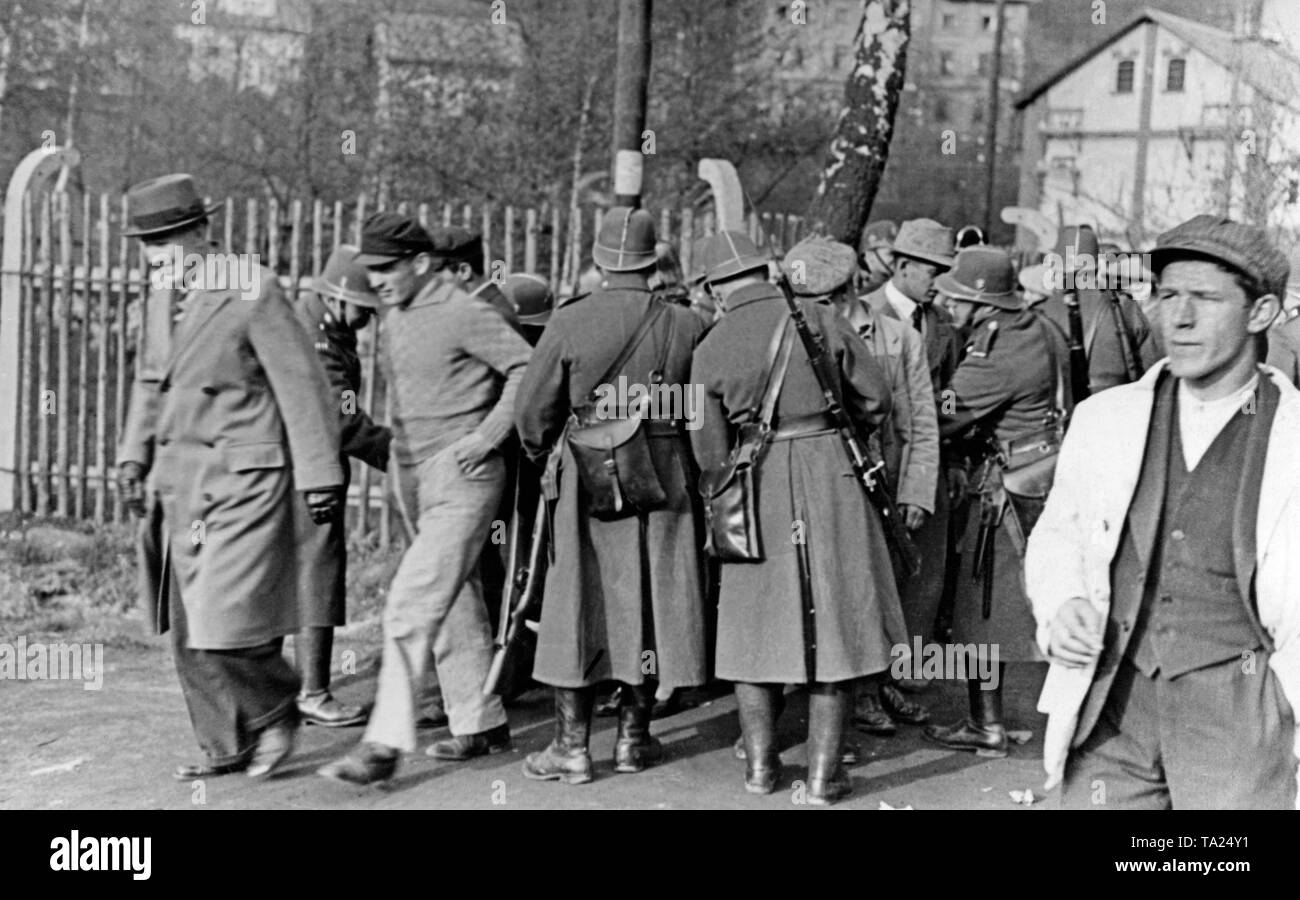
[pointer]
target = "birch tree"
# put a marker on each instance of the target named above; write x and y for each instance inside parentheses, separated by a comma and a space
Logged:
(859, 148)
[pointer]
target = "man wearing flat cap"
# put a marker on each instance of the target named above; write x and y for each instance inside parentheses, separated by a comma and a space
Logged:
(460, 251)
(1164, 569)
(229, 430)
(624, 596)
(339, 304)
(1010, 397)
(453, 365)
(821, 608)
(909, 440)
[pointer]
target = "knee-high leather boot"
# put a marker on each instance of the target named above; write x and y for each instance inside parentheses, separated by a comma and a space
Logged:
(982, 731)
(757, 705)
(828, 711)
(566, 758)
(635, 748)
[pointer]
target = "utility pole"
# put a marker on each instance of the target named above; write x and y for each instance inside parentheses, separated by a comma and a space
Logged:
(631, 79)
(991, 126)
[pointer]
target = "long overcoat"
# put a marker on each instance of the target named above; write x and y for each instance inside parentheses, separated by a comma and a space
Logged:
(1004, 388)
(809, 504)
(322, 551)
(624, 599)
(229, 416)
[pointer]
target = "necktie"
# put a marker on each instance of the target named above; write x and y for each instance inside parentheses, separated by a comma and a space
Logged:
(918, 315)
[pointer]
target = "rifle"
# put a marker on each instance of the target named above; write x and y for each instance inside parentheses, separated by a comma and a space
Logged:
(870, 473)
(1079, 389)
(521, 604)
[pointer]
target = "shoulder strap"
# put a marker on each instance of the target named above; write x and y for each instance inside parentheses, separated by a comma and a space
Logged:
(653, 311)
(1046, 325)
(658, 374)
(779, 361)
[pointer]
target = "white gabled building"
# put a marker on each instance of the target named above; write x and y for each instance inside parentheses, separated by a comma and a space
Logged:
(1165, 119)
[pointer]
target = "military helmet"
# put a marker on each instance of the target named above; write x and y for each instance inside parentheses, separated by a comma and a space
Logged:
(626, 240)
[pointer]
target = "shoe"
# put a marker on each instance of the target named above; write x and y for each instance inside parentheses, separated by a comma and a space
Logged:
(206, 770)
(433, 716)
(611, 705)
(320, 708)
(635, 749)
(985, 740)
(851, 756)
(828, 707)
(366, 764)
(566, 758)
(901, 709)
(274, 745)
(756, 704)
(467, 746)
(870, 716)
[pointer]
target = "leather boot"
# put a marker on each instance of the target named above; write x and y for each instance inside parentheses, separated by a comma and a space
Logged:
(828, 710)
(983, 731)
(566, 758)
(635, 749)
(756, 704)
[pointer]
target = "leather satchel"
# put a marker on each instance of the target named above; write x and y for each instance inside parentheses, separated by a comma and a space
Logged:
(729, 490)
(613, 457)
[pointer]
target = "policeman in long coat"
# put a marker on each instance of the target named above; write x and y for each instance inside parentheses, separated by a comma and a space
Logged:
(1010, 387)
(228, 424)
(821, 609)
(624, 597)
(340, 304)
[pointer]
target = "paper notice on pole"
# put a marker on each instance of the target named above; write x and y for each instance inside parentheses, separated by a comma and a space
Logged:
(628, 166)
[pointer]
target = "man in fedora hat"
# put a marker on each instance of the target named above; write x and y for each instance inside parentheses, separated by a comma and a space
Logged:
(453, 365)
(909, 439)
(229, 423)
(1163, 569)
(624, 595)
(1117, 338)
(339, 304)
(921, 251)
(1010, 397)
(821, 608)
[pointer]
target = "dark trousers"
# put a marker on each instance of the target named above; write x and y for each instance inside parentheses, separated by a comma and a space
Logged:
(232, 695)
(1215, 738)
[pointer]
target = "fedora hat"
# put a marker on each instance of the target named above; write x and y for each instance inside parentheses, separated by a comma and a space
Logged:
(345, 279)
(164, 204)
(626, 240)
(926, 240)
(984, 275)
(727, 254)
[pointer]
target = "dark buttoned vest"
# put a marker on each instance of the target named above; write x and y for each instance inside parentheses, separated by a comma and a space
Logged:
(1179, 595)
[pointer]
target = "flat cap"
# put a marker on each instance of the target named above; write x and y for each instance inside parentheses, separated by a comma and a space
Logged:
(387, 237)
(817, 266)
(455, 243)
(1243, 247)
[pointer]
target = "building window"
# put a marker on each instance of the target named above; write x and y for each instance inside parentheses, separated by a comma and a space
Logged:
(941, 113)
(1124, 77)
(949, 21)
(1177, 73)
(945, 63)
(985, 65)
(977, 114)
(986, 23)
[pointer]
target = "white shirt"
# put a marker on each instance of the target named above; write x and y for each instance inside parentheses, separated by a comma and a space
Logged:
(1200, 421)
(903, 305)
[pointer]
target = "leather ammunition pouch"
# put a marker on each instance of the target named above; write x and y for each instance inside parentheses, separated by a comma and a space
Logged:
(612, 455)
(730, 490)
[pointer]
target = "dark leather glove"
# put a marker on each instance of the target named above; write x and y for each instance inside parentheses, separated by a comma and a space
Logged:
(323, 504)
(130, 486)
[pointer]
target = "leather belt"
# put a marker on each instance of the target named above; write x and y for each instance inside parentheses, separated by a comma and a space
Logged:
(790, 427)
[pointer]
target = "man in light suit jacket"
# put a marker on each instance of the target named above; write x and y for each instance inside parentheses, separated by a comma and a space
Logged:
(1163, 572)
(229, 421)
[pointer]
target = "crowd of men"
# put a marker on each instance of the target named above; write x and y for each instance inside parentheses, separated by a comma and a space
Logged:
(1171, 628)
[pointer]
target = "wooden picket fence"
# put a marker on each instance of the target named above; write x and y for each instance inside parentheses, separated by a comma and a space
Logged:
(81, 286)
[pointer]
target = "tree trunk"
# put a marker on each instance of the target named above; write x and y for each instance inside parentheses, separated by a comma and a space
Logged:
(860, 147)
